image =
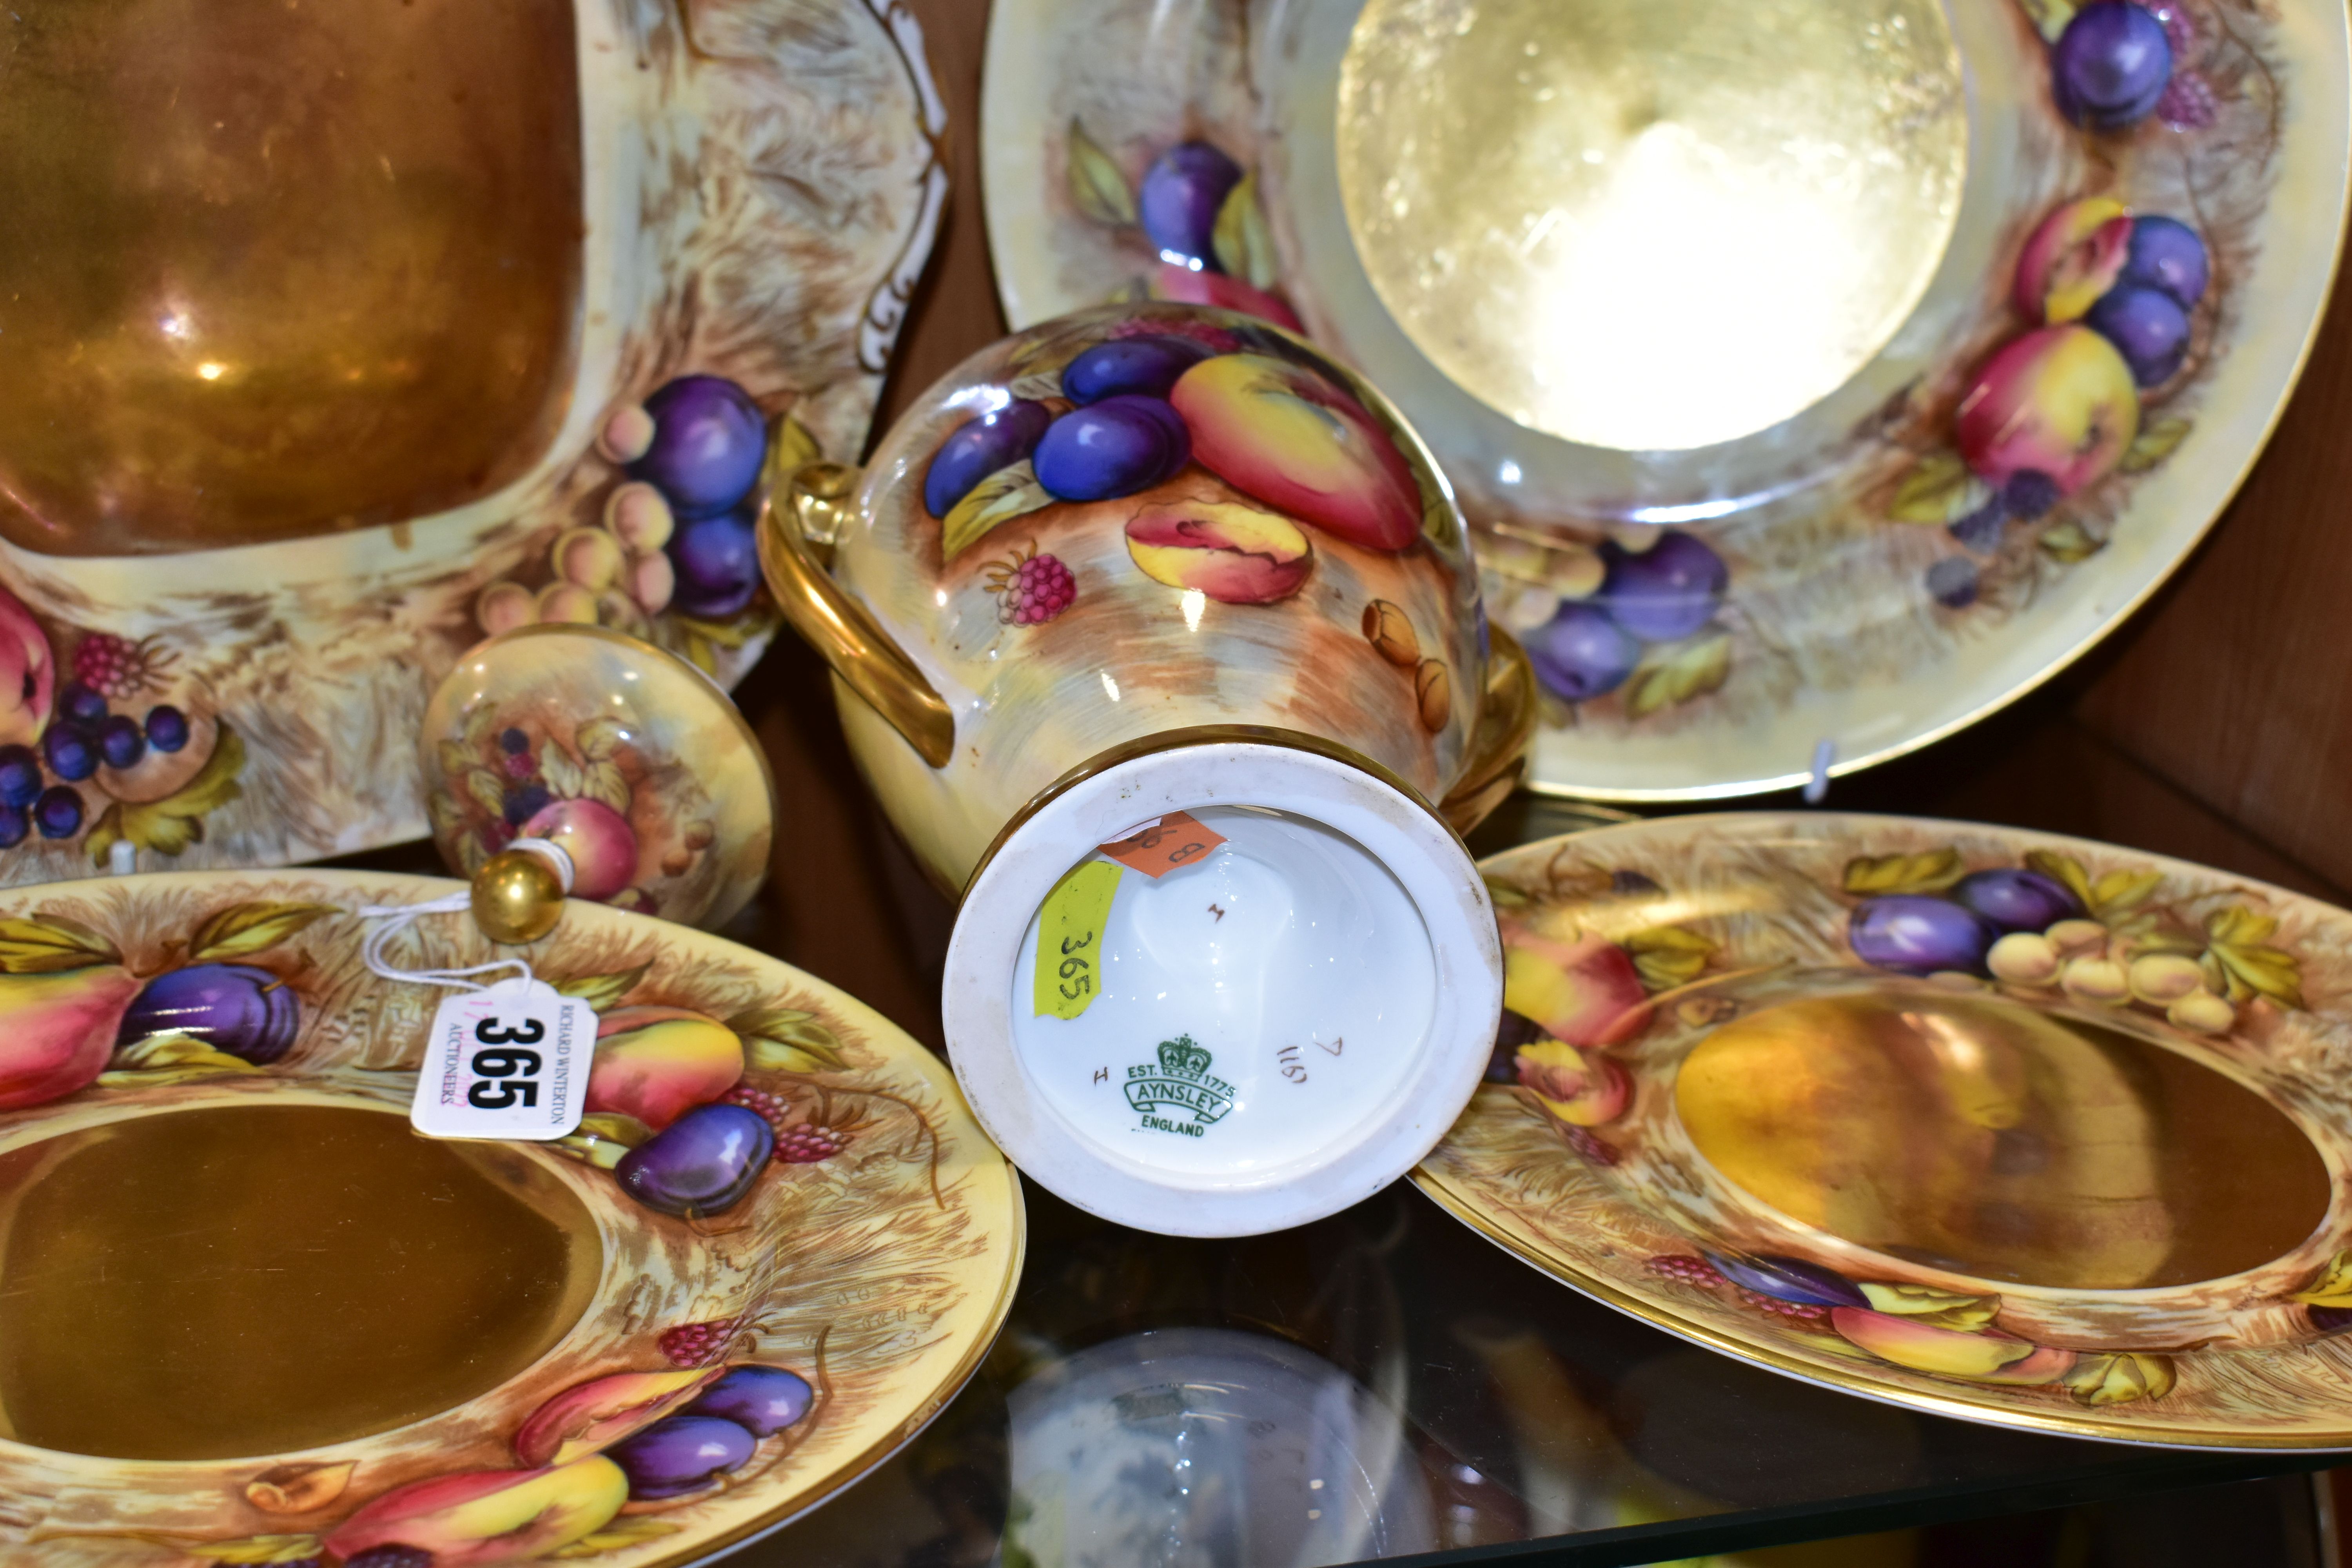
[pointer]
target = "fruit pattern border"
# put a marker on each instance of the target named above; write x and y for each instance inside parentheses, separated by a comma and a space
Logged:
(1571, 1159)
(872, 1261)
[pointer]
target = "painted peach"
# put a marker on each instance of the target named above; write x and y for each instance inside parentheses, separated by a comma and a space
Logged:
(1582, 1088)
(1923, 1347)
(658, 1063)
(603, 847)
(2073, 258)
(591, 1417)
(479, 1518)
(1235, 554)
(1186, 287)
(1586, 993)
(1281, 433)
(61, 1028)
(2058, 402)
(28, 675)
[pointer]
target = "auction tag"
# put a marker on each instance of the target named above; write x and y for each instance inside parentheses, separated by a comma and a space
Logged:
(1176, 839)
(510, 1060)
(1069, 940)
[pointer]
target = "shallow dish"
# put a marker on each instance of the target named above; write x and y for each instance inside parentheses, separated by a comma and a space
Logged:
(1714, 447)
(2001, 1125)
(314, 389)
(252, 1318)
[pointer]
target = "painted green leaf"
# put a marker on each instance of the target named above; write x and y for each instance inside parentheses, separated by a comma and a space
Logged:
(2239, 957)
(1928, 871)
(2049, 16)
(2062, 868)
(1244, 244)
(2116, 1377)
(2067, 541)
(44, 944)
(1668, 956)
(619, 1533)
(1675, 672)
(1008, 493)
(785, 1039)
(2333, 1287)
(169, 825)
(2156, 442)
(1097, 188)
(2120, 892)
(603, 992)
(170, 1058)
(1939, 489)
(241, 928)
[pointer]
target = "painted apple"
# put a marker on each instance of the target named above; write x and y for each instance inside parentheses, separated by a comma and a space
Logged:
(1586, 993)
(2058, 402)
(480, 1518)
(658, 1063)
(1581, 1088)
(1281, 433)
(28, 675)
(1235, 554)
(603, 847)
(1979, 1357)
(2072, 257)
(589, 1417)
(1171, 280)
(61, 1030)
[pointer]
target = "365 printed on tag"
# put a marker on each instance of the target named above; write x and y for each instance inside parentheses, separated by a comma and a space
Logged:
(510, 1060)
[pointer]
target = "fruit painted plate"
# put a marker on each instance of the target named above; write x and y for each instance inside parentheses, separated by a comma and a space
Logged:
(307, 389)
(249, 1317)
(2002, 1126)
(1818, 377)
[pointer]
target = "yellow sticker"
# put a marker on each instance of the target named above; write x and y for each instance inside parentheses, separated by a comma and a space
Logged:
(1069, 939)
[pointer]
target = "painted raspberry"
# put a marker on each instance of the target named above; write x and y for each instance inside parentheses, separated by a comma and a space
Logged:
(1686, 1270)
(1798, 1312)
(2181, 31)
(2189, 102)
(1031, 589)
(770, 1108)
(699, 1345)
(114, 666)
(807, 1144)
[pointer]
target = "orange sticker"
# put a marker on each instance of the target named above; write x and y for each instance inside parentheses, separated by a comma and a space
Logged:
(1175, 840)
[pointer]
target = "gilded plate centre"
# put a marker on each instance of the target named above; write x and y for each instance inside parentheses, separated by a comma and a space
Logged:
(255, 1279)
(1650, 224)
(1988, 1139)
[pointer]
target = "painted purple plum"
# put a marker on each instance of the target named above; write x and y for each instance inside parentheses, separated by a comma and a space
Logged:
(717, 561)
(1178, 203)
(246, 1012)
(1665, 592)
(1148, 364)
(2110, 66)
(2017, 899)
(14, 825)
(2147, 326)
(57, 813)
(1918, 934)
(20, 776)
(979, 447)
(1581, 653)
(120, 741)
(1516, 1029)
(70, 751)
(1115, 448)
(709, 443)
(679, 1454)
(2328, 1320)
(762, 1400)
(78, 704)
(2166, 254)
(1788, 1280)
(702, 1164)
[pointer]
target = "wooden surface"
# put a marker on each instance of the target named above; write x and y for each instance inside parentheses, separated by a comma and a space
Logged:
(2213, 728)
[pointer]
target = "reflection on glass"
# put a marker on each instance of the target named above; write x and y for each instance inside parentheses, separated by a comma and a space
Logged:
(1208, 1448)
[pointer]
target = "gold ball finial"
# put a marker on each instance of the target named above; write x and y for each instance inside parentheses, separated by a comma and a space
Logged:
(518, 897)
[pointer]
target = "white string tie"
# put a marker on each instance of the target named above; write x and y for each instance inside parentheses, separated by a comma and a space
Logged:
(398, 918)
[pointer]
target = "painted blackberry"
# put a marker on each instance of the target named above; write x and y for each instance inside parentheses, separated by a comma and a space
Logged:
(807, 1144)
(1031, 589)
(1686, 1270)
(1800, 1311)
(770, 1107)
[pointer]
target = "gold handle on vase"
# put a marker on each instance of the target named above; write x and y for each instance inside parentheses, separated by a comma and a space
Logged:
(1498, 746)
(794, 526)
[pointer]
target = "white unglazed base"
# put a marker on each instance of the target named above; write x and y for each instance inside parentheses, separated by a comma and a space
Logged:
(1327, 984)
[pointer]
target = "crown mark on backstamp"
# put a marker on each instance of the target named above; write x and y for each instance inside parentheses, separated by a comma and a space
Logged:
(1178, 1082)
